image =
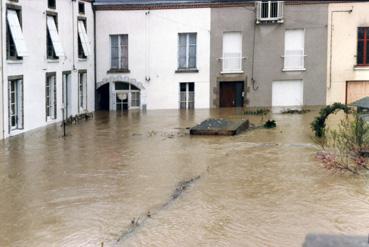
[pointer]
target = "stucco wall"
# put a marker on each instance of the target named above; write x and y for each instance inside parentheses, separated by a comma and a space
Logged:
(2, 6)
(341, 67)
(35, 66)
(153, 52)
(269, 49)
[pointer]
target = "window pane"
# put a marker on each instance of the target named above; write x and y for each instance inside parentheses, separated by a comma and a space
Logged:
(264, 9)
(192, 38)
(182, 87)
(192, 57)
(124, 40)
(367, 53)
(191, 87)
(121, 86)
(360, 52)
(274, 9)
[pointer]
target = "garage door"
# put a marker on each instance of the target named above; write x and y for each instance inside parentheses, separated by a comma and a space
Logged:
(356, 90)
(287, 93)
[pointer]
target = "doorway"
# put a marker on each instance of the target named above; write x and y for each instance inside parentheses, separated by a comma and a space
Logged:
(103, 97)
(231, 94)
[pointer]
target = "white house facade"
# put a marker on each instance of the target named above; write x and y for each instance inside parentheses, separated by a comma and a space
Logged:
(153, 59)
(48, 62)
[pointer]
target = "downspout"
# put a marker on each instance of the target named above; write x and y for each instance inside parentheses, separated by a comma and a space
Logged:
(253, 59)
(331, 42)
(73, 37)
(2, 68)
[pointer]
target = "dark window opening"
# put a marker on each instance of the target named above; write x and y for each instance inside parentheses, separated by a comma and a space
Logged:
(81, 52)
(49, 44)
(51, 4)
(81, 8)
(11, 50)
(363, 46)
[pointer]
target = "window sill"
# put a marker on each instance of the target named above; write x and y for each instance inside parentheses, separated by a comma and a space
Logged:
(49, 60)
(116, 71)
(361, 67)
(294, 70)
(82, 59)
(187, 71)
(232, 72)
(14, 61)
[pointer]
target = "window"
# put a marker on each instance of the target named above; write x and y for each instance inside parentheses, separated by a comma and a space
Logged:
(294, 54)
(187, 51)
(269, 11)
(81, 8)
(187, 95)
(15, 44)
(50, 95)
(119, 52)
(54, 47)
(51, 4)
(363, 46)
(83, 40)
(15, 96)
(232, 52)
(82, 91)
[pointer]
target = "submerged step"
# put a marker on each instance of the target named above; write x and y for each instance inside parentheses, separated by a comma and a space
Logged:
(221, 126)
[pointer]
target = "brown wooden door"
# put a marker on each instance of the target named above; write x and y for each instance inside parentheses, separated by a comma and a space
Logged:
(231, 94)
(356, 90)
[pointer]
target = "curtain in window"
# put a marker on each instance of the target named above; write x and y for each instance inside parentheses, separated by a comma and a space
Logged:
(182, 50)
(114, 52)
(192, 51)
(124, 51)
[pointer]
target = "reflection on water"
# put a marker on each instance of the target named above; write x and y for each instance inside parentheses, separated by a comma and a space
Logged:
(261, 188)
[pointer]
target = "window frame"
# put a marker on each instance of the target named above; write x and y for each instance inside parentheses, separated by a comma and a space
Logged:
(285, 56)
(82, 91)
(120, 68)
(19, 83)
(51, 95)
(8, 36)
(365, 52)
(81, 52)
(187, 67)
(186, 95)
(49, 42)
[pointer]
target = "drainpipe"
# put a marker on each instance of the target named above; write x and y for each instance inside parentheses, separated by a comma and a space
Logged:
(331, 42)
(73, 37)
(253, 82)
(2, 68)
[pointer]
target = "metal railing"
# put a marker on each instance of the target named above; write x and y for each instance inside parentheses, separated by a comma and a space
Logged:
(294, 60)
(232, 62)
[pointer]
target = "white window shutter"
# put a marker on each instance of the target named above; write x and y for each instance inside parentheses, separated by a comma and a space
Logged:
(84, 38)
(55, 39)
(232, 51)
(294, 49)
(16, 32)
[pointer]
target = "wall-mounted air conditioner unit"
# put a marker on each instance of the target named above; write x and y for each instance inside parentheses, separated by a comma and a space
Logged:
(269, 11)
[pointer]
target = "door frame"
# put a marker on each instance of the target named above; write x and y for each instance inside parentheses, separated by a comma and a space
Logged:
(234, 82)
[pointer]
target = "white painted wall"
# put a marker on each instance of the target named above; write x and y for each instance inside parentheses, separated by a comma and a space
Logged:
(341, 67)
(153, 52)
(35, 65)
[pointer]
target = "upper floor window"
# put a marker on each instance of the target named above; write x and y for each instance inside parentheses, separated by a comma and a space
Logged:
(363, 46)
(54, 47)
(119, 52)
(269, 11)
(51, 4)
(81, 7)
(232, 52)
(15, 44)
(187, 43)
(294, 52)
(83, 40)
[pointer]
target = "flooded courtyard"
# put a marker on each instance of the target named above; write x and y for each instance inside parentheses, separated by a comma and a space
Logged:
(139, 179)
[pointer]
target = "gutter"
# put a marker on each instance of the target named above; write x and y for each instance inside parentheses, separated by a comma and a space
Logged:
(95, 60)
(331, 42)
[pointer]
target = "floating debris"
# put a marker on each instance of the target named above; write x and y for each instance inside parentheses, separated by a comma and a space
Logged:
(295, 111)
(220, 127)
(270, 124)
(257, 112)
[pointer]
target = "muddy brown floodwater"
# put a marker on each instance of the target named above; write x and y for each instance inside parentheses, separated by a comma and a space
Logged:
(261, 188)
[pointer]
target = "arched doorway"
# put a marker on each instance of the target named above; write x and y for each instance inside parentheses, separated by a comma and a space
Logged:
(126, 96)
(103, 98)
